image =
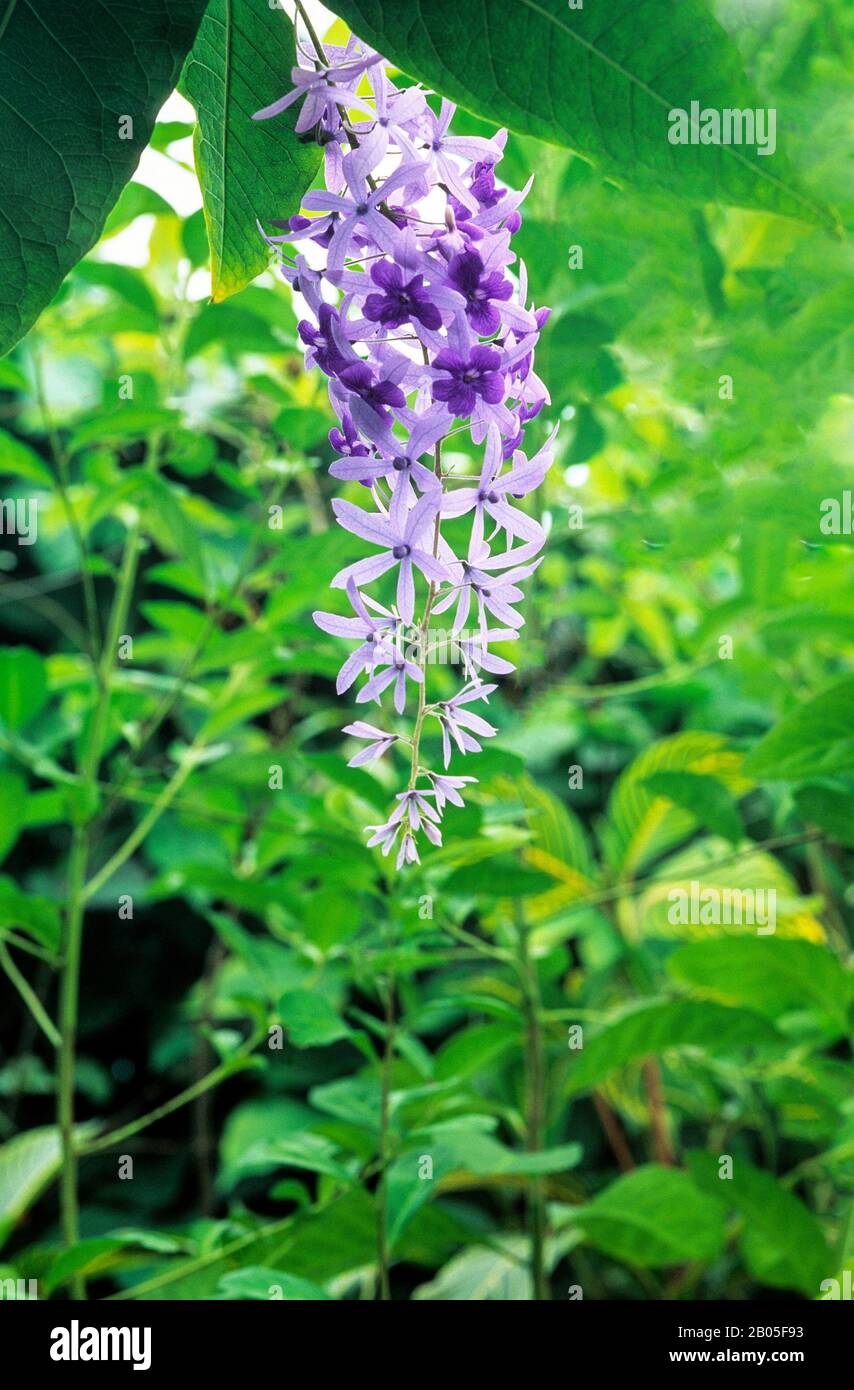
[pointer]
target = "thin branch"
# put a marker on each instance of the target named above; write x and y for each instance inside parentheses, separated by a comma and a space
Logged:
(228, 1068)
(29, 997)
(63, 481)
(613, 1132)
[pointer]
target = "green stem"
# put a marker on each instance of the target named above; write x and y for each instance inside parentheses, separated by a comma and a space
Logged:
(198, 1088)
(535, 1088)
(29, 997)
(63, 483)
(382, 1186)
(138, 834)
(68, 1002)
(69, 988)
(312, 33)
(184, 674)
(424, 628)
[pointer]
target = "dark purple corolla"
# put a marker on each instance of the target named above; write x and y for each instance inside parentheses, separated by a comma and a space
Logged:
(482, 290)
(459, 381)
(401, 300)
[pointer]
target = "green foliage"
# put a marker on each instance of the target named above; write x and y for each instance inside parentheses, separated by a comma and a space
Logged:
(71, 84)
(783, 1243)
(600, 83)
(814, 739)
(654, 1217)
(655, 1029)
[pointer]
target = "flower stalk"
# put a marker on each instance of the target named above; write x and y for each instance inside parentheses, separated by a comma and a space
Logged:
(416, 311)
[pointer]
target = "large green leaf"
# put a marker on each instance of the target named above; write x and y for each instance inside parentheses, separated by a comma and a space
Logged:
(600, 82)
(454, 1149)
(816, 738)
(705, 891)
(250, 170)
(82, 85)
(654, 1217)
(656, 1028)
(783, 1243)
(767, 974)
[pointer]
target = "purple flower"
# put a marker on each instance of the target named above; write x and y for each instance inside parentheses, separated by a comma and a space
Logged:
(409, 242)
(383, 835)
(374, 634)
(420, 812)
(494, 592)
(441, 149)
(476, 656)
(448, 788)
(401, 300)
(408, 853)
(348, 443)
(361, 208)
(401, 538)
(324, 89)
(461, 724)
(461, 382)
(321, 340)
(396, 116)
(396, 675)
(414, 810)
(401, 459)
(490, 496)
(359, 379)
(467, 274)
(378, 745)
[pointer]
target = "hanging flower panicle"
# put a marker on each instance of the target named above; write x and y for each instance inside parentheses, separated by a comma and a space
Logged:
(415, 317)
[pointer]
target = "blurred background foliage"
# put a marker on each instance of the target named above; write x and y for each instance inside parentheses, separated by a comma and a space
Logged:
(681, 712)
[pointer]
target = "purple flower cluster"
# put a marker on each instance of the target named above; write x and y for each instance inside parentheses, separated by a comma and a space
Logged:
(412, 312)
